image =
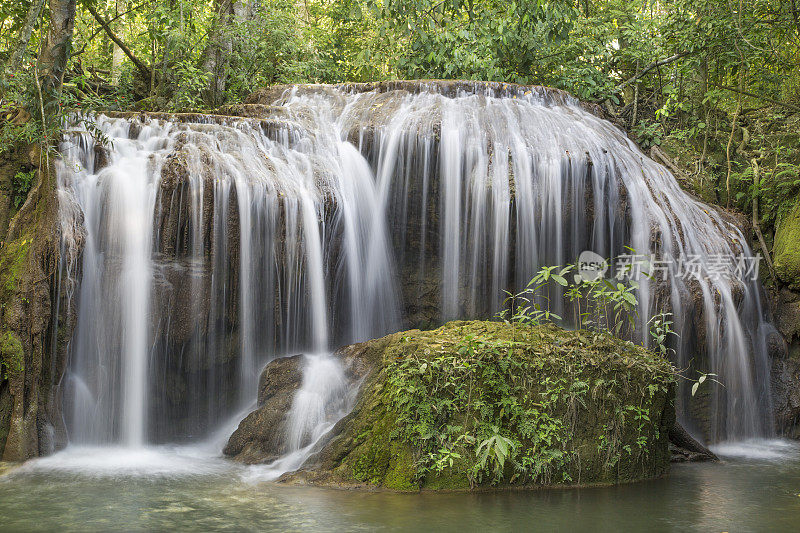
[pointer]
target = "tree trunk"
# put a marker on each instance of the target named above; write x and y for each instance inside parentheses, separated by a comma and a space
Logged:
(216, 58)
(117, 54)
(25, 35)
(56, 51)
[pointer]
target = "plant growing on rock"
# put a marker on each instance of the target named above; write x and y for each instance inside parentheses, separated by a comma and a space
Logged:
(503, 404)
(598, 304)
(660, 329)
(493, 452)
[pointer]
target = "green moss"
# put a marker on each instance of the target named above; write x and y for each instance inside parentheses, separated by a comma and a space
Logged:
(377, 458)
(449, 478)
(402, 472)
(786, 249)
(565, 407)
(12, 263)
(12, 355)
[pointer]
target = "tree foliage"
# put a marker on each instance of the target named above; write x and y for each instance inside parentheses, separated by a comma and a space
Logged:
(715, 83)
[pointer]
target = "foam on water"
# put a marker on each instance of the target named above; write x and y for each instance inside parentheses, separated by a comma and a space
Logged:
(120, 462)
(759, 449)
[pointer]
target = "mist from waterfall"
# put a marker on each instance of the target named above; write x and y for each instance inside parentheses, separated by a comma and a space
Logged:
(209, 249)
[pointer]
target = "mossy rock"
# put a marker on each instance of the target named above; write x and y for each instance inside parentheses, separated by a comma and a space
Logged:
(576, 408)
(12, 355)
(12, 263)
(786, 250)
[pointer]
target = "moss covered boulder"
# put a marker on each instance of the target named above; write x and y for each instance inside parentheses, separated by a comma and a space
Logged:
(479, 404)
(786, 249)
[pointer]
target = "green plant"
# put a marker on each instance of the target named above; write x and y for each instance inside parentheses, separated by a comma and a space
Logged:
(702, 378)
(190, 81)
(648, 133)
(660, 331)
(499, 401)
(447, 454)
(598, 303)
(493, 452)
(21, 184)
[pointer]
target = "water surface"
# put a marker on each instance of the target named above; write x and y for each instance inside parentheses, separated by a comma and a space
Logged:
(755, 488)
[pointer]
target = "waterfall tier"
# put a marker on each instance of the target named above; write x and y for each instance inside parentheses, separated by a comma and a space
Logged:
(329, 215)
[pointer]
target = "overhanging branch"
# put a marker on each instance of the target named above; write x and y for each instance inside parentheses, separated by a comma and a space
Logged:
(113, 36)
(650, 67)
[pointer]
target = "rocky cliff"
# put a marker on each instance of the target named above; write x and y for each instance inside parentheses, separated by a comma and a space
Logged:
(32, 351)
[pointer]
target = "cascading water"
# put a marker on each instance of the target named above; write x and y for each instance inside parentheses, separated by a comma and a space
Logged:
(213, 245)
(322, 400)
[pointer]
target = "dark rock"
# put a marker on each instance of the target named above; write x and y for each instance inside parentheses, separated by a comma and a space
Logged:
(100, 157)
(683, 447)
(787, 313)
(260, 436)
(786, 396)
(776, 345)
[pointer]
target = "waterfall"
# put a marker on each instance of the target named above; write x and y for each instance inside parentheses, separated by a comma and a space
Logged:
(212, 245)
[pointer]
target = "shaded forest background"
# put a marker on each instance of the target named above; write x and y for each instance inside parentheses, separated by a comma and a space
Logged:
(710, 88)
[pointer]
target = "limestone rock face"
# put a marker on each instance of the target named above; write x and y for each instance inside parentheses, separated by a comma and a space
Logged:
(786, 396)
(33, 297)
(785, 362)
(578, 408)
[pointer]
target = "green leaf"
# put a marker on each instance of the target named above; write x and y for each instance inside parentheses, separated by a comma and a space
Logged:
(630, 298)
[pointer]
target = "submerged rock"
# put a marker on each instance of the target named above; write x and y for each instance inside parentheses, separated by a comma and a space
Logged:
(475, 404)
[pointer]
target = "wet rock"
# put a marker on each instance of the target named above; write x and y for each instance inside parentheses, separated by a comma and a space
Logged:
(367, 447)
(260, 436)
(682, 455)
(100, 157)
(684, 448)
(786, 309)
(785, 379)
(30, 407)
(776, 345)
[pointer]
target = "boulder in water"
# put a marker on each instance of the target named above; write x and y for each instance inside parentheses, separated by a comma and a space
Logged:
(476, 404)
(258, 437)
